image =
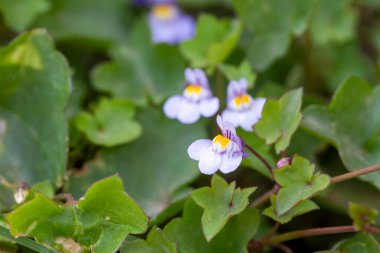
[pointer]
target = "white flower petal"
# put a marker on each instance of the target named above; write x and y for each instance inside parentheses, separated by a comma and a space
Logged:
(190, 76)
(198, 148)
(231, 116)
(247, 119)
(258, 106)
(189, 112)
(172, 106)
(230, 163)
(208, 107)
(209, 162)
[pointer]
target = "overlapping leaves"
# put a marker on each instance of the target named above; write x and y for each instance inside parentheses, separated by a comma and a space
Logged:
(99, 222)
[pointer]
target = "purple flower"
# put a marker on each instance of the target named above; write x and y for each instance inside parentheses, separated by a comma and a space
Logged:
(196, 99)
(242, 110)
(169, 25)
(223, 153)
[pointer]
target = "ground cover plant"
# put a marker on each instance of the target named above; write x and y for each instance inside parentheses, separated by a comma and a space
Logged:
(189, 126)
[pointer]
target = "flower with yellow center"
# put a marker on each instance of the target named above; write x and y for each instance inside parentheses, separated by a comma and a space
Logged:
(223, 153)
(242, 110)
(195, 101)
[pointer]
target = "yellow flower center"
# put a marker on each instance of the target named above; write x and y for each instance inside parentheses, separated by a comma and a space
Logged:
(193, 91)
(163, 11)
(242, 101)
(220, 143)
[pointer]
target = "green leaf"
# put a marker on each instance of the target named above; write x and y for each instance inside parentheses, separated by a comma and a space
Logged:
(220, 202)
(280, 119)
(213, 42)
(111, 124)
(20, 14)
(99, 222)
(362, 242)
(244, 70)
(341, 123)
(102, 21)
(333, 22)
(140, 68)
(362, 215)
(153, 167)
(35, 87)
(234, 237)
(273, 23)
(156, 242)
(299, 209)
(298, 182)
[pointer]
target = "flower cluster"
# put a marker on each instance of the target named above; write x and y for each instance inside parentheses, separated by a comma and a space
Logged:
(223, 153)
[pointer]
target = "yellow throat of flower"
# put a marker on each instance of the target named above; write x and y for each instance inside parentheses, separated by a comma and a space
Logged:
(163, 11)
(221, 141)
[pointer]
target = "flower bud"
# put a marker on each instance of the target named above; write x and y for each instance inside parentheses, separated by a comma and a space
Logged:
(284, 162)
(21, 193)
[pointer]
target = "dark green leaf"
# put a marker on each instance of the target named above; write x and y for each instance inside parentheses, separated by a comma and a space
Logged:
(362, 242)
(341, 123)
(35, 86)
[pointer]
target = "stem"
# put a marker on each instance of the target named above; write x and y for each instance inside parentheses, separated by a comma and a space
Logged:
(29, 243)
(307, 233)
(265, 197)
(373, 230)
(354, 174)
(262, 159)
(67, 197)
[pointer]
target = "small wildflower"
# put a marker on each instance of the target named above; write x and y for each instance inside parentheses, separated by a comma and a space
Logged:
(168, 24)
(223, 153)
(195, 101)
(242, 110)
(284, 162)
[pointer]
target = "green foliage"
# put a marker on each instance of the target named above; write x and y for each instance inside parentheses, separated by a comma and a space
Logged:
(362, 242)
(111, 124)
(280, 119)
(99, 222)
(102, 22)
(244, 70)
(19, 15)
(298, 182)
(153, 166)
(213, 43)
(139, 69)
(362, 215)
(35, 86)
(302, 207)
(341, 123)
(220, 202)
(273, 23)
(156, 242)
(187, 232)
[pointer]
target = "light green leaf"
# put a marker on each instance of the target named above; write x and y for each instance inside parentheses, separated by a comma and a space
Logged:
(213, 42)
(362, 242)
(234, 237)
(20, 14)
(244, 70)
(362, 215)
(99, 222)
(156, 242)
(298, 182)
(220, 202)
(103, 21)
(111, 124)
(140, 69)
(299, 209)
(334, 21)
(35, 87)
(280, 119)
(341, 123)
(273, 23)
(153, 167)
